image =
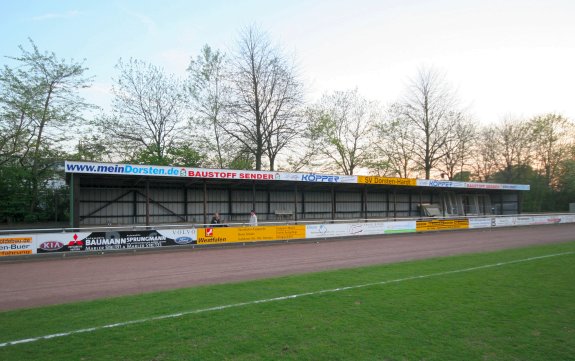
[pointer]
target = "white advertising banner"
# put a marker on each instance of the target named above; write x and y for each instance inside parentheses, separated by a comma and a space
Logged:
(523, 221)
(400, 227)
(470, 185)
(316, 178)
(332, 230)
(358, 229)
(567, 218)
(482, 222)
(17, 245)
(505, 221)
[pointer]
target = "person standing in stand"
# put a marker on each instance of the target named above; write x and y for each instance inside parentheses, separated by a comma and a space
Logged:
(253, 218)
(216, 220)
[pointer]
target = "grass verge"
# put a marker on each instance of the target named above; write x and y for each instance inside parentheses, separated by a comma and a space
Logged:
(522, 310)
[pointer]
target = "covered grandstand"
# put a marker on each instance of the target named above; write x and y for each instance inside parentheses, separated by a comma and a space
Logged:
(127, 194)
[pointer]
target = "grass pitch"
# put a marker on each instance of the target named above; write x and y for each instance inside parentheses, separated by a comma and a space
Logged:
(472, 307)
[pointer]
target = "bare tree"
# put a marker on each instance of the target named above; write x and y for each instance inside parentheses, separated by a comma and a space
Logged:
(148, 112)
(485, 155)
(266, 97)
(430, 107)
(457, 154)
(396, 145)
(208, 87)
(343, 125)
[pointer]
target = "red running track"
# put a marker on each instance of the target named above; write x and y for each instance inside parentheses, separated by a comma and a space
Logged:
(32, 283)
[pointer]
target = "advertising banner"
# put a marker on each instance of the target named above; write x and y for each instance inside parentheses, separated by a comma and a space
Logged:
(332, 230)
(523, 221)
(400, 227)
(546, 220)
(386, 180)
(60, 242)
(186, 172)
(100, 241)
(16, 245)
(358, 229)
(505, 221)
(482, 222)
(439, 183)
(316, 178)
(442, 224)
(470, 185)
(217, 235)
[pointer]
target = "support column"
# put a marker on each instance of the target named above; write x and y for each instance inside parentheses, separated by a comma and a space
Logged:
(420, 203)
(268, 202)
(74, 201)
(387, 204)
(230, 210)
(394, 205)
(333, 208)
(147, 203)
(295, 203)
(135, 207)
(205, 202)
(364, 203)
(409, 192)
(302, 204)
(254, 196)
(186, 203)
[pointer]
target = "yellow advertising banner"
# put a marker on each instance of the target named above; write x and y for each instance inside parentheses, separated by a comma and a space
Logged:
(15, 246)
(217, 235)
(386, 180)
(441, 224)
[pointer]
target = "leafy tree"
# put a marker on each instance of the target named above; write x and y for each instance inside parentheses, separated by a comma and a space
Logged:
(552, 139)
(183, 154)
(39, 102)
(540, 197)
(512, 142)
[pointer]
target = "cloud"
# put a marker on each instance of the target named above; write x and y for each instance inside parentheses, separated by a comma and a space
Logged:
(150, 24)
(50, 16)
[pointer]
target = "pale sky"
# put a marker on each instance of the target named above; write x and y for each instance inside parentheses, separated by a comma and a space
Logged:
(504, 58)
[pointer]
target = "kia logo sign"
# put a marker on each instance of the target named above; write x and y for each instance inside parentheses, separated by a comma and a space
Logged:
(51, 246)
(184, 240)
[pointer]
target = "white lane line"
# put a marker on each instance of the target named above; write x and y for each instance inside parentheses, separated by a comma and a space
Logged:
(281, 298)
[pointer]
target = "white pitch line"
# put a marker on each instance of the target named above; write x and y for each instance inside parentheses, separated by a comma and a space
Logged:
(281, 298)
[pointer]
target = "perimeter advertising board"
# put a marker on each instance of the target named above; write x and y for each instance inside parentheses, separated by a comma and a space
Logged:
(442, 224)
(482, 222)
(16, 245)
(110, 240)
(358, 229)
(217, 235)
